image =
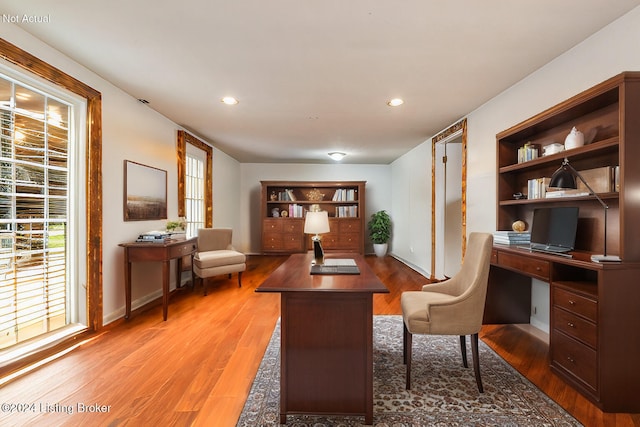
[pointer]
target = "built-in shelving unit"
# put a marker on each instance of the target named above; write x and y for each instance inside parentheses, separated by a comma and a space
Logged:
(285, 203)
(594, 338)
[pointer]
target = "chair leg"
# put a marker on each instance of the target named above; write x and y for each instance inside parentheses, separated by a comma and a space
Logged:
(240, 279)
(476, 361)
(204, 285)
(407, 358)
(463, 350)
(404, 343)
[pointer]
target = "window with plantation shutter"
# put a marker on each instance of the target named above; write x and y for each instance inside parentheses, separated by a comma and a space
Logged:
(194, 190)
(195, 179)
(35, 140)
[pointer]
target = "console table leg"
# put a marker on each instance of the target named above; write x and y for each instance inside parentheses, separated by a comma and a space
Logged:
(165, 289)
(127, 286)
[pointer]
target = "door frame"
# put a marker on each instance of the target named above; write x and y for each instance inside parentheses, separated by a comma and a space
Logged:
(457, 128)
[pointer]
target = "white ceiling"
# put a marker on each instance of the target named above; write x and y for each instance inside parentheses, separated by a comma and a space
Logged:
(313, 76)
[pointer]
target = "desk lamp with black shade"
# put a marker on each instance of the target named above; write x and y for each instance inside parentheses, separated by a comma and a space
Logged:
(317, 223)
(565, 177)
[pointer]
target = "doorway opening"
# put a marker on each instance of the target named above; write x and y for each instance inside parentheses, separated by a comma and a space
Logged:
(448, 222)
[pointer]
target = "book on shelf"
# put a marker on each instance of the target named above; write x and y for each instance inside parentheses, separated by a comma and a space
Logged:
(344, 195)
(537, 188)
(528, 152)
(296, 211)
(512, 237)
(291, 196)
(347, 211)
(286, 195)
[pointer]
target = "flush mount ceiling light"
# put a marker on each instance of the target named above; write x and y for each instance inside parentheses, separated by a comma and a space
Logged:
(337, 156)
(395, 102)
(229, 100)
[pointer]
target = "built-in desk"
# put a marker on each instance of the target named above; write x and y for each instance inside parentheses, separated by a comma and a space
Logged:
(594, 341)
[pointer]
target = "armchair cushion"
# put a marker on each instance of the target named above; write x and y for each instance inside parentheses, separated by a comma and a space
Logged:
(218, 258)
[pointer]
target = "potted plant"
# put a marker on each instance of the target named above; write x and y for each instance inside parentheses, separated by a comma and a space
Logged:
(380, 232)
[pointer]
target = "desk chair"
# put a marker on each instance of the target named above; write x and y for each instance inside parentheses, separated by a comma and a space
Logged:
(452, 307)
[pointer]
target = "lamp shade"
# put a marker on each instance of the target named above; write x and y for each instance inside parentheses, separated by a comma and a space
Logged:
(563, 178)
(316, 222)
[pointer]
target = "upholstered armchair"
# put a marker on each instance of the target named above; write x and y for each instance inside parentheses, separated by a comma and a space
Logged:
(216, 255)
(452, 307)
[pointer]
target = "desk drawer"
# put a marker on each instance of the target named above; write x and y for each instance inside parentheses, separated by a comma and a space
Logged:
(574, 357)
(527, 265)
(293, 242)
(294, 226)
(575, 326)
(272, 225)
(575, 303)
(181, 250)
(272, 241)
(345, 241)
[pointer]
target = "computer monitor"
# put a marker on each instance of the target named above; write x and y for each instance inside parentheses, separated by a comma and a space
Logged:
(554, 229)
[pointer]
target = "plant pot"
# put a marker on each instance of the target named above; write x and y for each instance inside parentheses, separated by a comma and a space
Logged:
(380, 249)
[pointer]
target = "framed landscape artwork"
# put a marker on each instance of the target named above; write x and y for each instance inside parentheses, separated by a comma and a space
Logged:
(145, 192)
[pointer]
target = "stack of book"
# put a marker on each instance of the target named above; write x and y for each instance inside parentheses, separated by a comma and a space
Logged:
(512, 237)
(154, 237)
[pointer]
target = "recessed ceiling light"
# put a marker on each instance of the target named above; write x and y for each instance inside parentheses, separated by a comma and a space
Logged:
(229, 100)
(337, 156)
(395, 102)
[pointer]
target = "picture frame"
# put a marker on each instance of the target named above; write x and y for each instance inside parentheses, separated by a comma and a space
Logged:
(145, 192)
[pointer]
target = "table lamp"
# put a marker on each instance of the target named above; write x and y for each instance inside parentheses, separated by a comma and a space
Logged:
(565, 177)
(316, 223)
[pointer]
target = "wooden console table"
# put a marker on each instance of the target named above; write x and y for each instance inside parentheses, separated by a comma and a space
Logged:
(327, 338)
(156, 252)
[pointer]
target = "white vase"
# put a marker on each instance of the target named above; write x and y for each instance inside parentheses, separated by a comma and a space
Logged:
(380, 249)
(574, 139)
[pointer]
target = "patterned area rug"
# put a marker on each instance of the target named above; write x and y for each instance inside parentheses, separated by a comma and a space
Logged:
(443, 393)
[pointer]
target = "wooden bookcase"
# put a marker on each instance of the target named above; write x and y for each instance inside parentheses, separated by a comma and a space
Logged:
(595, 327)
(343, 200)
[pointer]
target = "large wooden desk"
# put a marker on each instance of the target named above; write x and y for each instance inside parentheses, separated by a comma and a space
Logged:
(327, 338)
(594, 337)
(158, 252)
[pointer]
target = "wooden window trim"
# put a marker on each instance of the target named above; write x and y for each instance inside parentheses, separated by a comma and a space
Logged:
(32, 64)
(183, 139)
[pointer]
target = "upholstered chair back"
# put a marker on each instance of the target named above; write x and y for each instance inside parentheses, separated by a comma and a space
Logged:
(214, 239)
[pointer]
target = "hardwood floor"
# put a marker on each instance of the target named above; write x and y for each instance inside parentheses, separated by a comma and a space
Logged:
(198, 366)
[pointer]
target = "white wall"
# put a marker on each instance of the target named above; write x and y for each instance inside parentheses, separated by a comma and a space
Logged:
(378, 190)
(132, 131)
(411, 208)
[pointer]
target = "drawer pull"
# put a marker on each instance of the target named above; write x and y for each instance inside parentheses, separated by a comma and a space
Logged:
(570, 359)
(538, 269)
(571, 302)
(571, 325)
